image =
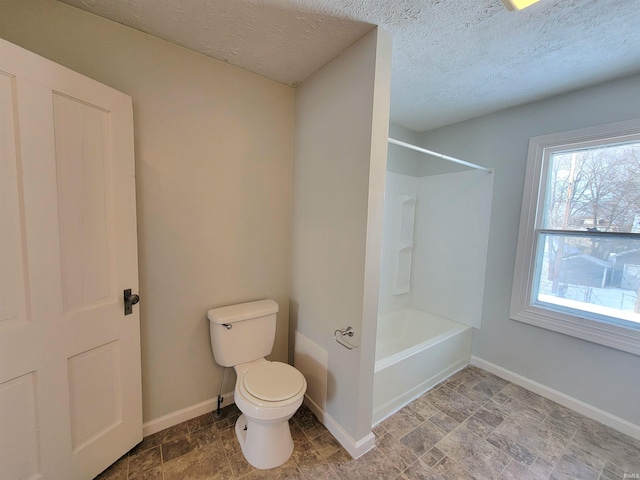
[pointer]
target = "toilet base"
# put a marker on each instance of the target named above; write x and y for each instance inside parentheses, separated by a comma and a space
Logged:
(266, 445)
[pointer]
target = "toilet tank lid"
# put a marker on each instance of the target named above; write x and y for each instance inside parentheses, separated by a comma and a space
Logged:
(242, 311)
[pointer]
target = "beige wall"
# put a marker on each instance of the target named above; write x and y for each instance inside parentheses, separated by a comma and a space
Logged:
(342, 121)
(213, 175)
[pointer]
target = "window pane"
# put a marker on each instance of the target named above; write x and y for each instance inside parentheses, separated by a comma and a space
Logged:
(594, 189)
(596, 274)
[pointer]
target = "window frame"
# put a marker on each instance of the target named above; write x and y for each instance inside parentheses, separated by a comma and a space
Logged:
(522, 308)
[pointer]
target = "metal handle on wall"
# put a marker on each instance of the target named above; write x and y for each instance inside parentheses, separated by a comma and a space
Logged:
(347, 331)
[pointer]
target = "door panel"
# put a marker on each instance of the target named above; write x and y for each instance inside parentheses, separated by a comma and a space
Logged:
(70, 386)
(20, 449)
(82, 160)
(94, 388)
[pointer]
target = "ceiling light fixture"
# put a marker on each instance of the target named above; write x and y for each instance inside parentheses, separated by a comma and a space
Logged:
(518, 4)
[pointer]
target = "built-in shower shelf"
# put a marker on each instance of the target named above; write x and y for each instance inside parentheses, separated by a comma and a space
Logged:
(405, 244)
(408, 205)
(403, 281)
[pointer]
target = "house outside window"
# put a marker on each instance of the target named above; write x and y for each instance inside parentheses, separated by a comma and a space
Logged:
(578, 258)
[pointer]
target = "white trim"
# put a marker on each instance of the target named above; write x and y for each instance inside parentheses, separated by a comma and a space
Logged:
(179, 416)
(355, 448)
(563, 399)
(590, 329)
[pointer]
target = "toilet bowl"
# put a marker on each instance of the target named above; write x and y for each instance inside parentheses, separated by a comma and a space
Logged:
(267, 393)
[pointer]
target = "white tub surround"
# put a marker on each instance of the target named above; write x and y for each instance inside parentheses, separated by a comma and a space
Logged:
(434, 244)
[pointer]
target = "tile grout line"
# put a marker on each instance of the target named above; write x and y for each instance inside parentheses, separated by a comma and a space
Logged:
(506, 466)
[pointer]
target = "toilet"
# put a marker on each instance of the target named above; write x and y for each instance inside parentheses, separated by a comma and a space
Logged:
(267, 393)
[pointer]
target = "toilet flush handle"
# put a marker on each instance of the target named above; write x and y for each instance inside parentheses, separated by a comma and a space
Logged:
(227, 326)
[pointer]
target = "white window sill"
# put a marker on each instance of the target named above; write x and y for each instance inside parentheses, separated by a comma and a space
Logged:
(614, 336)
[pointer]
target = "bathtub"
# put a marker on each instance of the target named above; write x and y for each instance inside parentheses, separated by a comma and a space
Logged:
(415, 350)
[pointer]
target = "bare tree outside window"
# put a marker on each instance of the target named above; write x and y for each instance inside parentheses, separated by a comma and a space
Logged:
(595, 189)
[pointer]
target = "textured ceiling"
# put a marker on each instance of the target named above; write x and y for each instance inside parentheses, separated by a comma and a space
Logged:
(452, 60)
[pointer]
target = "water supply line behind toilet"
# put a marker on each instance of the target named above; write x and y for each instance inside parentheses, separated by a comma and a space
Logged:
(218, 413)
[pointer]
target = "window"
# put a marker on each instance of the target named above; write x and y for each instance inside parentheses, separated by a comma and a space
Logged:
(578, 258)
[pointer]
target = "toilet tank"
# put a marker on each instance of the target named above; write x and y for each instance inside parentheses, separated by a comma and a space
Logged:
(242, 333)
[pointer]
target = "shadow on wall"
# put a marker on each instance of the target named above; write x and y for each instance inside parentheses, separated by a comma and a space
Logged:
(312, 360)
(294, 308)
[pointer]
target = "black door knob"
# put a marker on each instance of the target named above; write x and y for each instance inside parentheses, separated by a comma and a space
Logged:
(129, 301)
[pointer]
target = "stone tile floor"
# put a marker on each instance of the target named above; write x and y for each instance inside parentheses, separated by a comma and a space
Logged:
(472, 426)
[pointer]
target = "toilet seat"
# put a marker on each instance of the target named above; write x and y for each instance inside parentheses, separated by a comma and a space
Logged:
(273, 381)
(272, 384)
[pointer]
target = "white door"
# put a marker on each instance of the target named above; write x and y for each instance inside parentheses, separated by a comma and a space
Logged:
(70, 389)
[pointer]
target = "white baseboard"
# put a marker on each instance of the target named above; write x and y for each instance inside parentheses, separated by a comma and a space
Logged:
(179, 416)
(355, 448)
(579, 406)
